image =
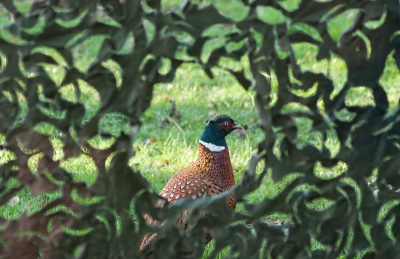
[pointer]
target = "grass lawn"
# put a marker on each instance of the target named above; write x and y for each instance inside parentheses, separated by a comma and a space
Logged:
(165, 146)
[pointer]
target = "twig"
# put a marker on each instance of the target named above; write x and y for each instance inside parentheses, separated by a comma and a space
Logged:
(176, 124)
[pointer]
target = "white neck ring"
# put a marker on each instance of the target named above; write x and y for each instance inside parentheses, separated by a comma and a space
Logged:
(212, 147)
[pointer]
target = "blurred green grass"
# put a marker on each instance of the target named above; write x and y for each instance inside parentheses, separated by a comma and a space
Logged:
(163, 148)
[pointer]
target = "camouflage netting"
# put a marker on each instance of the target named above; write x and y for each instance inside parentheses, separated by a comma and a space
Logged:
(368, 140)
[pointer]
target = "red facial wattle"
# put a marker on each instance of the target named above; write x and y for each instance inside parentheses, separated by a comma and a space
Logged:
(226, 125)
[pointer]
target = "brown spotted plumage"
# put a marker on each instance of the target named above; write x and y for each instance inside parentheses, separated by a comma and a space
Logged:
(209, 175)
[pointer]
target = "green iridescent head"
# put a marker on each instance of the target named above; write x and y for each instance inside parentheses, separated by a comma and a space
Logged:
(217, 128)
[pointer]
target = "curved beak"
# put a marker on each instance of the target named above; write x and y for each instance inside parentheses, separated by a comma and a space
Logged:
(236, 126)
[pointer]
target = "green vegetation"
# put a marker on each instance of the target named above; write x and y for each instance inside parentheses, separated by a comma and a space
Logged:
(167, 144)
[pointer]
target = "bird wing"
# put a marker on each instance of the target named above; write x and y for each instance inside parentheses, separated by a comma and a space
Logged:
(177, 188)
(184, 187)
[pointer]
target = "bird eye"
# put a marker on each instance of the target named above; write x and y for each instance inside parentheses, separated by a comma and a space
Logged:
(207, 121)
(226, 123)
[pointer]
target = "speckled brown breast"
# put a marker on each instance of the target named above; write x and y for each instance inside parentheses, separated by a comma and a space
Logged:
(210, 174)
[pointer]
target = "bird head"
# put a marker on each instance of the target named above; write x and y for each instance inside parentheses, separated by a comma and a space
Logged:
(217, 128)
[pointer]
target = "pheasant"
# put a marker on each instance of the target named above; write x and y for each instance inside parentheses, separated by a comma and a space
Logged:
(209, 175)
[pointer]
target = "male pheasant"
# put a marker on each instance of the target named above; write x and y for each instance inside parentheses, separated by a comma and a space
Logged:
(209, 175)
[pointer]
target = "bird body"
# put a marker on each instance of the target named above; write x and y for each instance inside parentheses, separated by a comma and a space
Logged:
(210, 174)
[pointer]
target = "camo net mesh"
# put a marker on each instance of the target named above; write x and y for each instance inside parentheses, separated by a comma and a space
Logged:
(368, 137)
